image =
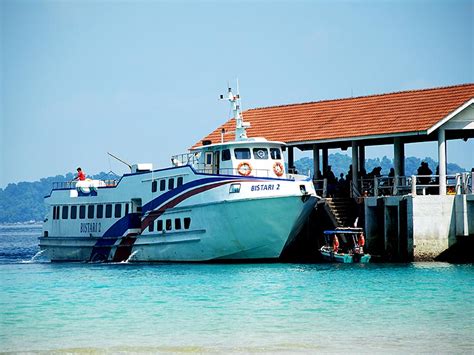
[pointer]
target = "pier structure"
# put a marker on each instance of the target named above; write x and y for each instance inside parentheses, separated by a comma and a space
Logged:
(405, 217)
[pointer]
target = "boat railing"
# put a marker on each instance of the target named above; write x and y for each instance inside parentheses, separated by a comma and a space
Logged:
(233, 171)
(185, 159)
(63, 185)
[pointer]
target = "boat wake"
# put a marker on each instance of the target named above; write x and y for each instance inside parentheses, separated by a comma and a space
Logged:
(130, 257)
(34, 258)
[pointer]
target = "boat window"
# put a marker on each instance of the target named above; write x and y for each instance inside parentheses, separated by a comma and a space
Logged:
(160, 225)
(73, 212)
(118, 210)
(208, 158)
(108, 211)
(151, 227)
(187, 223)
(154, 186)
(168, 224)
(180, 181)
(54, 212)
(162, 185)
(82, 212)
(177, 223)
(260, 153)
(275, 153)
(242, 153)
(170, 184)
(90, 211)
(65, 211)
(126, 209)
(225, 155)
(100, 211)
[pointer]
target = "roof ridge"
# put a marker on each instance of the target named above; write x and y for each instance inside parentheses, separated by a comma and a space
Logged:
(360, 97)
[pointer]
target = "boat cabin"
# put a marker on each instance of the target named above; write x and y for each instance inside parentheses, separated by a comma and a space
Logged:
(252, 157)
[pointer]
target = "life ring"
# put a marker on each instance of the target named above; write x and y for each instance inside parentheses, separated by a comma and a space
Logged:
(278, 169)
(361, 240)
(244, 169)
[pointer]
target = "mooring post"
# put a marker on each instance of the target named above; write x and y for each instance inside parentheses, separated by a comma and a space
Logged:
(413, 185)
(472, 182)
(458, 184)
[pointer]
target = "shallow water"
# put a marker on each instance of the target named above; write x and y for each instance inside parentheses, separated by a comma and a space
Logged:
(264, 308)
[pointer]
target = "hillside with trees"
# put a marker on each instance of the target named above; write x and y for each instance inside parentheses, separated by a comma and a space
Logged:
(23, 201)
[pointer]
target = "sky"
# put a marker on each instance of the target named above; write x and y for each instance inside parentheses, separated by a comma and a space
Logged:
(141, 79)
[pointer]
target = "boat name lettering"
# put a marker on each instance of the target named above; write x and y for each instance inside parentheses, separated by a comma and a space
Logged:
(265, 187)
(90, 227)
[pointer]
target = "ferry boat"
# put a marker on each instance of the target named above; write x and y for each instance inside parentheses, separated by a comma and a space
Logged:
(231, 200)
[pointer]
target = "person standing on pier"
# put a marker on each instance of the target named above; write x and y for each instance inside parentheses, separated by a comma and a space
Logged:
(424, 170)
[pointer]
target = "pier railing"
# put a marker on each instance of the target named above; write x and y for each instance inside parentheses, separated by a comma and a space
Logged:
(461, 183)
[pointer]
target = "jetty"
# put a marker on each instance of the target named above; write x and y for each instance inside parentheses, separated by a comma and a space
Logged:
(406, 218)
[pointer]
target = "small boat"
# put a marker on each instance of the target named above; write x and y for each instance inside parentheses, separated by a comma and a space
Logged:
(344, 245)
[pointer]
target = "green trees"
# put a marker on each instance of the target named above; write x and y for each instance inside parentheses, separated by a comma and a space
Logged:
(24, 201)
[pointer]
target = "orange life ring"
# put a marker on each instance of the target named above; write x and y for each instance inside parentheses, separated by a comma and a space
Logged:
(361, 240)
(278, 169)
(244, 169)
(335, 244)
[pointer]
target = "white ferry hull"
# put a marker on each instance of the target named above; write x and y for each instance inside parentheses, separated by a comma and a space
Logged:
(229, 230)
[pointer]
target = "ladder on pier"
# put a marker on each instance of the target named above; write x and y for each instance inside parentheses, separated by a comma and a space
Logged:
(343, 211)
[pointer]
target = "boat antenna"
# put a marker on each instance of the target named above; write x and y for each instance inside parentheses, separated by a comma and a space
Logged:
(120, 160)
(240, 125)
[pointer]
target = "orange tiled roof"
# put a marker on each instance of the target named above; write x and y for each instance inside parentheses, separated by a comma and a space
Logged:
(399, 112)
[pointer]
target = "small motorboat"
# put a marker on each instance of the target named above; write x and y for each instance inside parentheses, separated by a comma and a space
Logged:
(344, 245)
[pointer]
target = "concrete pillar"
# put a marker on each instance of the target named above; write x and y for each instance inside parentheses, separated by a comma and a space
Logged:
(291, 158)
(316, 161)
(398, 157)
(325, 160)
(361, 157)
(355, 164)
(442, 161)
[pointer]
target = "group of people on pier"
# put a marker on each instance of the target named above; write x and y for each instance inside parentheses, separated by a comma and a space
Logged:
(341, 187)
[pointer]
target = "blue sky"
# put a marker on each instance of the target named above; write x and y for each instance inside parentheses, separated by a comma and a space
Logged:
(141, 79)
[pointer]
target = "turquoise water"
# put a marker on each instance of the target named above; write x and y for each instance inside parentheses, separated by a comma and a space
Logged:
(242, 308)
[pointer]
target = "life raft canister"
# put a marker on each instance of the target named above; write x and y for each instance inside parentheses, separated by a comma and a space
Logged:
(335, 244)
(244, 169)
(278, 168)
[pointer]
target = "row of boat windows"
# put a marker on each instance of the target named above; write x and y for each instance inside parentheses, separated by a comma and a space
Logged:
(91, 211)
(163, 184)
(258, 153)
(168, 224)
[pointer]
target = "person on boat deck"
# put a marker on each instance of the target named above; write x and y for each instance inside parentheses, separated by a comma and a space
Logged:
(80, 175)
